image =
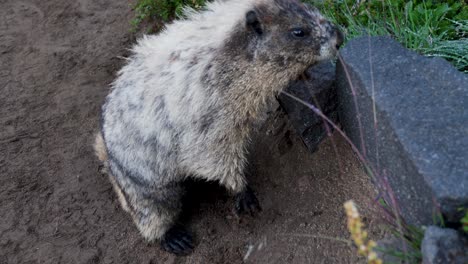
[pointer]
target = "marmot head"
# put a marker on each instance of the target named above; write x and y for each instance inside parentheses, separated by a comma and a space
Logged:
(288, 33)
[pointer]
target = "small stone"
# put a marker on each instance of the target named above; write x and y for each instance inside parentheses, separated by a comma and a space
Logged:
(444, 245)
(211, 231)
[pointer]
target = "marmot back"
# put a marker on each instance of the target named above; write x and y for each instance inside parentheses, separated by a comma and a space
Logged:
(188, 99)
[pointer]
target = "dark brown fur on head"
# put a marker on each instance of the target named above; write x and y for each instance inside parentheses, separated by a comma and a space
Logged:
(288, 33)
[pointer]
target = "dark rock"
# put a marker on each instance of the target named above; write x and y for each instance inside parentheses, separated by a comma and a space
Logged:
(417, 137)
(318, 89)
(443, 245)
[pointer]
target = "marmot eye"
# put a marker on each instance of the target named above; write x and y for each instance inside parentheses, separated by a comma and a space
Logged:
(298, 32)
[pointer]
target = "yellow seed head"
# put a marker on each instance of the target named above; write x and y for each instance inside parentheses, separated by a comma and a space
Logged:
(359, 236)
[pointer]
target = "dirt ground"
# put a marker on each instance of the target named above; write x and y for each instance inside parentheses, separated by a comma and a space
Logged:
(57, 58)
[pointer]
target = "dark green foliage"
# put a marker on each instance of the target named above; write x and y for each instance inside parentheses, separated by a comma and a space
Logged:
(157, 11)
(464, 221)
(433, 14)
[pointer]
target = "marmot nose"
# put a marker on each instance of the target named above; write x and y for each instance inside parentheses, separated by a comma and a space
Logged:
(339, 38)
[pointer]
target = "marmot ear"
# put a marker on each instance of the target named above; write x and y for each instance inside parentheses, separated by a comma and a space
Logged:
(253, 22)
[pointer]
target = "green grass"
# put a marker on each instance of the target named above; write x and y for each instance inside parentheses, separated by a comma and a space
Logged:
(409, 235)
(464, 220)
(430, 27)
(154, 13)
(412, 236)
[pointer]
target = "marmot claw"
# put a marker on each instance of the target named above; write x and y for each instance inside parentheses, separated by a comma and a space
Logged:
(247, 202)
(178, 241)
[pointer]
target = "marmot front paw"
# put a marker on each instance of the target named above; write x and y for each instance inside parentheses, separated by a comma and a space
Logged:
(177, 241)
(247, 202)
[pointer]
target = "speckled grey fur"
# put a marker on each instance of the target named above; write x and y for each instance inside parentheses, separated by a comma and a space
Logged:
(188, 99)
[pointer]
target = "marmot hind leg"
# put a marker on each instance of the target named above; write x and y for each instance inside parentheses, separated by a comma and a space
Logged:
(155, 211)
